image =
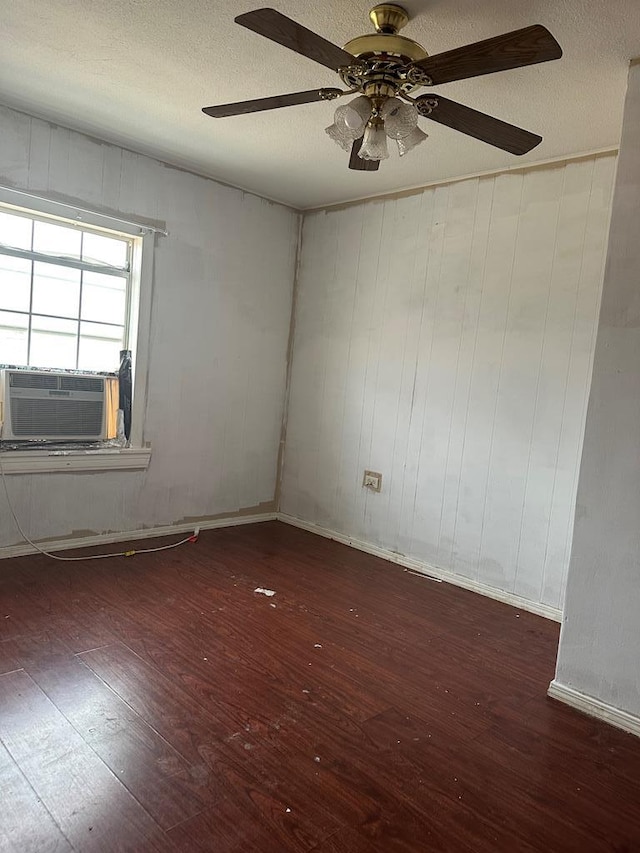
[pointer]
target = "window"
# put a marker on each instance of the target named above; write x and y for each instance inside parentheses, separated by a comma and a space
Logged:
(75, 289)
(66, 295)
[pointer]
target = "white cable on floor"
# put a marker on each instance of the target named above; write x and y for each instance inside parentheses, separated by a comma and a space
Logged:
(192, 538)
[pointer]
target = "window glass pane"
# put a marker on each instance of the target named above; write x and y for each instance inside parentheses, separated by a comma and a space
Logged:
(105, 250)
(100, 346)
(13, 338)
(104, 297)
(78, 317)
(53, 342)
(15, 231)
(56, 290)
(15, 283)
(56, 239)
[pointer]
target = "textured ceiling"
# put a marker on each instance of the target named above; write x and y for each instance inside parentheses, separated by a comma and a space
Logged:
(137, 73)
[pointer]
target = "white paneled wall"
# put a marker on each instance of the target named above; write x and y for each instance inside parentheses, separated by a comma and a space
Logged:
(445, 339)
(219, 332)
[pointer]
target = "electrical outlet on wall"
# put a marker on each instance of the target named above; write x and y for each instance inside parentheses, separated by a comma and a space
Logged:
(372, 480)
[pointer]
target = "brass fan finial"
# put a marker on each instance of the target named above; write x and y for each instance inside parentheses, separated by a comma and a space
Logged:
(388, 18)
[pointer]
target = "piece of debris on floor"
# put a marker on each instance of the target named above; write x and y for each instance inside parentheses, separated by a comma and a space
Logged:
(423, 575)
(263, 591)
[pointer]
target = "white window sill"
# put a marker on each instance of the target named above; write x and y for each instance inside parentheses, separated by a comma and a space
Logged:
(50, 461)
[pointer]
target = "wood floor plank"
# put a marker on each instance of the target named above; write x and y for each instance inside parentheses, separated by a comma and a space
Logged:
(9, 660)
(154, 773)
(25, 825)
(236, 828)
(172, 712)
(88, 803)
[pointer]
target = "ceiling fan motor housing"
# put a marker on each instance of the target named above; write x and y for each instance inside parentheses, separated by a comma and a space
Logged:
(384, 56)
(388, 19)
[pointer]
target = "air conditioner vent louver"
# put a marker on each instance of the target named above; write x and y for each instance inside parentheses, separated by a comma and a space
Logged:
(60, 418)
(44, 406)
(33, 380)
(81, 383)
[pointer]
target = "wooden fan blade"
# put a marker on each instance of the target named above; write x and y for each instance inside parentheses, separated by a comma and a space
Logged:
(279, 28)
(273, 103)
(479, 125)
(358, 163)
(527, 46)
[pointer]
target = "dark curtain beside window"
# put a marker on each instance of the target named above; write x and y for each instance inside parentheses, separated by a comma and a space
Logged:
(125, 389)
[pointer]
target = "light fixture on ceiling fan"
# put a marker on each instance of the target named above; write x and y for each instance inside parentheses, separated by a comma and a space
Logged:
(384, 69)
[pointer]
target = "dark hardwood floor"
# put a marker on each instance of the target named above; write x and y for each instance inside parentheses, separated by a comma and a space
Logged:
(159, 704)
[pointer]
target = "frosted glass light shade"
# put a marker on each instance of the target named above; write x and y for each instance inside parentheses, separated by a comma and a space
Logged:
(340, 135)
(356, 114)
(407, 143)
(349, 121)
(399, 118)
(374, 144)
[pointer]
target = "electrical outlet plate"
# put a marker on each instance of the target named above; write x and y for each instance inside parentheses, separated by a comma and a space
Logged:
(372, 480)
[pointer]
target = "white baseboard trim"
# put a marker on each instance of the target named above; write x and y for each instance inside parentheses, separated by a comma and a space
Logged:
(131, 535)
(594, 707)
(427, 569)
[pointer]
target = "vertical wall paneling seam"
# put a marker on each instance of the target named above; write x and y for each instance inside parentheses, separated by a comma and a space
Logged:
(564, 401)
(412, 410)
(334, 225)
(366, 373)
(409, 365)
(500, 374)
(382, 285)
(441, 241)
(386, 255)
(50, 134)
(349, 353)
(104, 177)
(421, 367)
(405, 355)
(336, 377)
(457, 376)
(537, 391)
(31, 157)
(473, 362)
(288, 370)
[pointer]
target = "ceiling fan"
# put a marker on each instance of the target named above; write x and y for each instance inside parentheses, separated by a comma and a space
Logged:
(384, 69)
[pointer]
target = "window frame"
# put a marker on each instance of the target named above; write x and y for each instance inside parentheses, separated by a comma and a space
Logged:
(137, 329)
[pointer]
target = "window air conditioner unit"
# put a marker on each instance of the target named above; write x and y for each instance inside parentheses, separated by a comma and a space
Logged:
(40, 405)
